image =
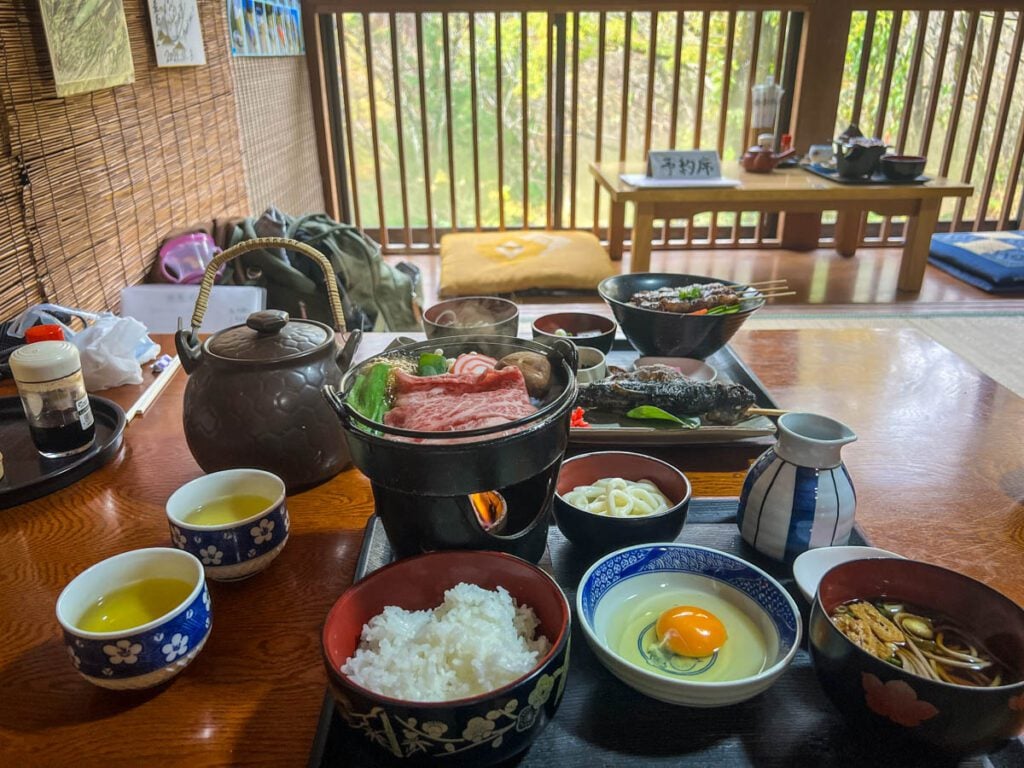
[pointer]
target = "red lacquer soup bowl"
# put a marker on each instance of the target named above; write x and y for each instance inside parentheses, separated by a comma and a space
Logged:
(902, 707)
(477, 731)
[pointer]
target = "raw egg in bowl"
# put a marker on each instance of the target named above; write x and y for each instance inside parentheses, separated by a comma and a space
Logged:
(688, 625)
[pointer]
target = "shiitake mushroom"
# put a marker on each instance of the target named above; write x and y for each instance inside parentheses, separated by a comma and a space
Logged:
(535, 367)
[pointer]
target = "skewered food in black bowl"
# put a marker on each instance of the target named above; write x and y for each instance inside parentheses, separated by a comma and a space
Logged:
(674, 315)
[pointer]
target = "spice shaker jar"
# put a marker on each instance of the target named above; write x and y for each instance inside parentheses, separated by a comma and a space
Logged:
(49, 379)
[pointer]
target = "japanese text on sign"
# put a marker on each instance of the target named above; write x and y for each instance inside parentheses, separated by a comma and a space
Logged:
(684, 164)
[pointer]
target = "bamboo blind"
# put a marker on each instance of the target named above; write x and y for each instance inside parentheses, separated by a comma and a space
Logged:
(91, 183)
(278, 135)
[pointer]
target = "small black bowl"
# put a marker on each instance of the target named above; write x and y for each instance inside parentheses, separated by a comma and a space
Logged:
(472, 315)
(575, 323)
(903, 167)
(600, 534)
(668, 334)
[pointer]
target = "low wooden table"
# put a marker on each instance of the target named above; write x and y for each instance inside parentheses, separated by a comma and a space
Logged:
(794, 191)
(937, 470)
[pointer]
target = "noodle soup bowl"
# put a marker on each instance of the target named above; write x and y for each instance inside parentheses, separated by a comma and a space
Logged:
(481, 730)
(676, 573)
(596, 533)
(906, 707)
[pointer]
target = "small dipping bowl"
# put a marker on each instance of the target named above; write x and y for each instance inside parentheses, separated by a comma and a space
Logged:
(151, 653)
(472, 315)
(236, 550)
(902, 167)
(598, 533)
(599, 330)
(593, 366)
(812, 565)
(473, 732)
(645, 570)
(697, 370)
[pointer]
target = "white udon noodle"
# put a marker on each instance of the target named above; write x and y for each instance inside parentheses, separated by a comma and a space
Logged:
(615, 497)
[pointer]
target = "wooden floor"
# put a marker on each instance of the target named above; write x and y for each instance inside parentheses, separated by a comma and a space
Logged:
(821, 279)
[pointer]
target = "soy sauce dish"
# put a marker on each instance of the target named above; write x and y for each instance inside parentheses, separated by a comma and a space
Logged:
(688, 625)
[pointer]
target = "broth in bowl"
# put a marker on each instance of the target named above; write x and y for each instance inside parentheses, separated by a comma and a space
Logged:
(919, 641)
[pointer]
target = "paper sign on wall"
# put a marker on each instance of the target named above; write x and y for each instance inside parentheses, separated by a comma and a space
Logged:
(693, 164)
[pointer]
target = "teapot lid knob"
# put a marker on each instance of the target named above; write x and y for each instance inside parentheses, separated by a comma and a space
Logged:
(268, 321)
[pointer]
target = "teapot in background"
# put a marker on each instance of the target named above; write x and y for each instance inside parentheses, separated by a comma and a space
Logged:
(761, 159)
(857, 156)
(253, 395)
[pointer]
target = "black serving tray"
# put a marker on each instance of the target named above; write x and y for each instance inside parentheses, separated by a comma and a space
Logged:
(876, 178)
(621, 432)
(27, 475)
(603, 722)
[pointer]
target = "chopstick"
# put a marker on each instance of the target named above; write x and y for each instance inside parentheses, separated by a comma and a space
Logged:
(140, 406)
(753, 411)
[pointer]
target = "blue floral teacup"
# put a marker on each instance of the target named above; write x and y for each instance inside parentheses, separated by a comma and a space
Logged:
(150, 653)
(238, 549)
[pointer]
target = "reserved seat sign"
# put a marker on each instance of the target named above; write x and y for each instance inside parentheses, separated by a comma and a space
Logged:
(693, 164)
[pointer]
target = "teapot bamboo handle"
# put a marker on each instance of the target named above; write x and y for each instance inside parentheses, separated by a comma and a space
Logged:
(268, 242)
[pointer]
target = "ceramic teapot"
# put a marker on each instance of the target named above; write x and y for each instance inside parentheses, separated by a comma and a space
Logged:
(253, 395)
(761, 159)
(857, 156)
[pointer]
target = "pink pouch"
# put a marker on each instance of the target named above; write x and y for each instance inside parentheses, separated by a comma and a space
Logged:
(183, 259)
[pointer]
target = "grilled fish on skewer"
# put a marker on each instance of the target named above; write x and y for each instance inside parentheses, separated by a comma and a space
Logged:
(714, 401)
(693, 298)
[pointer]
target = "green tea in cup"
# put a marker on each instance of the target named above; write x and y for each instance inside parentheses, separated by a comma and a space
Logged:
(228, 509)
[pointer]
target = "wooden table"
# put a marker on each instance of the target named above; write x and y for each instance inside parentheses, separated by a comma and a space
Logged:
(938, 469)
(794, 191)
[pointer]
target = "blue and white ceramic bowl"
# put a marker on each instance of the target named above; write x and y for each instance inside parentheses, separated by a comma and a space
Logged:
(143, 656)
(643, 570)
(231, 551)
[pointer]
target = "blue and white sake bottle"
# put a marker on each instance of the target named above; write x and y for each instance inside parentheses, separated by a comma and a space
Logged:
(798, 494)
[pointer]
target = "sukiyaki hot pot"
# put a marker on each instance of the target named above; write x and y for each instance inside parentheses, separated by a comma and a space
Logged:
(462, 439)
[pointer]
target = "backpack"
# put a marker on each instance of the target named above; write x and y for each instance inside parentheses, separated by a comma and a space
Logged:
(375, 295)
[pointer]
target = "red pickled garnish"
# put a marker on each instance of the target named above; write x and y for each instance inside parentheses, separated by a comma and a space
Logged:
(576, 419)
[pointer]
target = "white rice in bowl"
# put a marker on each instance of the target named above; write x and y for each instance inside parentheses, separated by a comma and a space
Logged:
(476, 641)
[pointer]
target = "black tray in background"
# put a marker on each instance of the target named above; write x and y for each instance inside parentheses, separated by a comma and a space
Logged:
(602, 722)
(876, 178)
(27, 475)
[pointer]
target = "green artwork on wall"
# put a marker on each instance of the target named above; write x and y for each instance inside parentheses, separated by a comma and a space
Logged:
(89, 45)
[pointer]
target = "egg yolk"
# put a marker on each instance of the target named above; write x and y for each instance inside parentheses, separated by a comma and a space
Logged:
(690, 631)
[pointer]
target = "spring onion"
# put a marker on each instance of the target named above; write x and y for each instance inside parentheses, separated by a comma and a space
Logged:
(432, 364)
(369, 395)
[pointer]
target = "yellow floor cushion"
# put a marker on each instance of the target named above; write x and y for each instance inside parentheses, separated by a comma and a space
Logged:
(508, 262)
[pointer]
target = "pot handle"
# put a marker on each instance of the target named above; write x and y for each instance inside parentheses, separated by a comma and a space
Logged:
(330, 279)
(569, 352)
(337, 403)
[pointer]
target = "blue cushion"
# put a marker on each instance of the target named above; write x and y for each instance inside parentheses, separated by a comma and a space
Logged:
(992, 261)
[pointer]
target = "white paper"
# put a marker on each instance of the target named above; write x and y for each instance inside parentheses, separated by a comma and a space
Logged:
(643, 181)
(177, 36)
(159, 306)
